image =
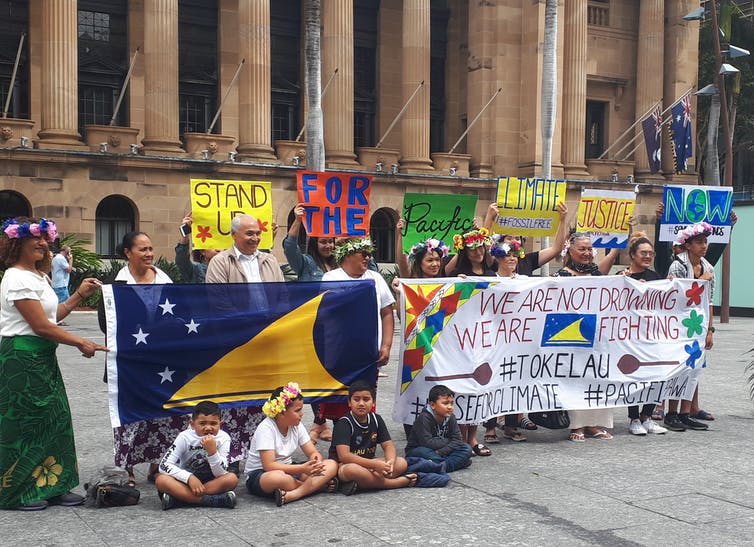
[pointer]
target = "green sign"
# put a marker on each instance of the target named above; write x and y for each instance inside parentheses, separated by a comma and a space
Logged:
(436, 215)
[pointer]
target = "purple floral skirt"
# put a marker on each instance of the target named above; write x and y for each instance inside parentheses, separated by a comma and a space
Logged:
(146, 441)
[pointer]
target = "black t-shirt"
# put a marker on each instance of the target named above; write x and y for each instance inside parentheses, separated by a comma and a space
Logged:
(646, 275)
(362, 439)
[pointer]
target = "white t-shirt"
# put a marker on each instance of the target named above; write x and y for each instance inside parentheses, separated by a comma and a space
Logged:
(268, 437)
(125, 275)
(385, 296)
(186, 456)
(21, 284)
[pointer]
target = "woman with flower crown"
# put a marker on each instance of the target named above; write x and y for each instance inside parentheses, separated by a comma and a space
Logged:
(270, 471)
(38, 464)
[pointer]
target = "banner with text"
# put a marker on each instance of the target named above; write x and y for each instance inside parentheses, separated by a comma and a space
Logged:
(605, 215)
(214, 203)
(335, 204)
(528, 207)
(535, 344)
(436, 215)
(687, 205)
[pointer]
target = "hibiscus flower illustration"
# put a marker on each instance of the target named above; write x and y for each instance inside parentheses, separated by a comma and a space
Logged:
(204, 233)
(47, 474)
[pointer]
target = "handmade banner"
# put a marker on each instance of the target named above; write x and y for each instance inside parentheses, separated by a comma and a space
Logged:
(535, 344)
(214, 203)
(686, 205)
(172, 346)
(335, 204)
(528, 207)
(605, 215)
(436, 215)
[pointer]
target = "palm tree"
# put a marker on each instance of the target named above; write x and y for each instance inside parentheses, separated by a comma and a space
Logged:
(315, 147)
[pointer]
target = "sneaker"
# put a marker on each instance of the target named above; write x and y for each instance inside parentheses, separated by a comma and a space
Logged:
(228, 499)
(235, 468)
(636, 427)
(691, 423)
(33, 506)
(653, 427)
(168, 502)
(69, 499)
(673, 422)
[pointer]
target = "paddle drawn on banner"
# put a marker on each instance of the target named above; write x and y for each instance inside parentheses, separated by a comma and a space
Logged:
(335, 204)
(605, 215)
(528, 207)
(214, 203)
(687, 205)
(535, 344)
(438, 216)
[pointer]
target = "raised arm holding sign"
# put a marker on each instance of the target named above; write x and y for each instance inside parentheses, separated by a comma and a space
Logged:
(336, 204)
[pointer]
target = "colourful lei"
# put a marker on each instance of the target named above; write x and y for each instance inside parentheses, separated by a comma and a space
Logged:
(14, 230)
(431, 245)
(279, 404)
(352, 246)
(501, 248)
(472, 239)
(694, 230)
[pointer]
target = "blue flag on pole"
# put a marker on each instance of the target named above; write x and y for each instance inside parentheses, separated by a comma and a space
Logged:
(680, 133)
(652, 127)
(175, 345)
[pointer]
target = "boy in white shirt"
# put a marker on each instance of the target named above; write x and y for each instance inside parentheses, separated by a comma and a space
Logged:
(194, 470)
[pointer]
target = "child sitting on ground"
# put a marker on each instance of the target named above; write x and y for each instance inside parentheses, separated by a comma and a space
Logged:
(435, 434)
(270, 469)
(354, 443)
(194, 470)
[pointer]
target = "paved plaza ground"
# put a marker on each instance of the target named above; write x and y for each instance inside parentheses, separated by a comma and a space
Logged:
(691, 488)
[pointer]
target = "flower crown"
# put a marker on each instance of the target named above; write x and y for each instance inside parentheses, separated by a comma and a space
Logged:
(430, 245)
(501, 248)
(472, 239)
(14, 230)
(351, 246)
(279, 404)
(694, 230)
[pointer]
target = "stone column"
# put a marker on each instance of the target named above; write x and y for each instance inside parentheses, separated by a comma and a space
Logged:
(337, 103)
(649, 59)
(681, 60)
(574, 88)
(59, 123)
(416, 61)
(480, 86)
(161, 78)
(255, 82)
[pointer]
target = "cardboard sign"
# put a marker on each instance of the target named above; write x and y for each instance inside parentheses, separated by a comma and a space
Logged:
(335, 204)
(687, 205)
(440, 216)
(214, 203)
(604, 214)
(528, 207)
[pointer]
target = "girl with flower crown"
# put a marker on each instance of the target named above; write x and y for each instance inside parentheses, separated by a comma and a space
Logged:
(270, 470)
(38, 464)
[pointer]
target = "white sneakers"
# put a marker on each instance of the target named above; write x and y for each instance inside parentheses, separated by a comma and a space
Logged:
(637, 427)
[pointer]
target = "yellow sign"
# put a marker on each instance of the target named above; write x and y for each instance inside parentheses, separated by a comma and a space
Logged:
(528, 207)
(214, 203)
(605, 215)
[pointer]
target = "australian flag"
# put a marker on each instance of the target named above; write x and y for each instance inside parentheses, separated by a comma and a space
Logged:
(172, 346)
(652, 127)
(680, 133)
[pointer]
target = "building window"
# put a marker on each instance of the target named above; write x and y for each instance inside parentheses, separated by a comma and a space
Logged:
(285, 56)
(439, 45)
(103, 61)
(115, 218)
(365, 19)
(13, 204)
(595, 129)
(14, 21)
(382, 232)
(198, 62)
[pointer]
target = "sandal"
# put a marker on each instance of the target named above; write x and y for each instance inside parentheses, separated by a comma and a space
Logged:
(514, 436)
(602, 434)
(333, 485)
(348, 488)
(480, 450)
(527, 424)
(131, 481)
(576, 437)
(658, 415)
(279, 497)
(491, 438)
(413, 478)
(703, 415)
(314, 433)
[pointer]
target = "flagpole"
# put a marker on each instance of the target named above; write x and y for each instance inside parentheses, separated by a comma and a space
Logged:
(639, 120)
(644, 139)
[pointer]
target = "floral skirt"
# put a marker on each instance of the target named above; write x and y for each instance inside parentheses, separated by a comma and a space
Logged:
(147, 441)
(37, 450)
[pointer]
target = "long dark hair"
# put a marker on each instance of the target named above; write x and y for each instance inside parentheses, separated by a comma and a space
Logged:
(416, 263)
(322, 263)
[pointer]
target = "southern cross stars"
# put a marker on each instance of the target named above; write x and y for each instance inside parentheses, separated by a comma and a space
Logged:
(141, 337)
(166, 375)
(167, 307)
(192, 327)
